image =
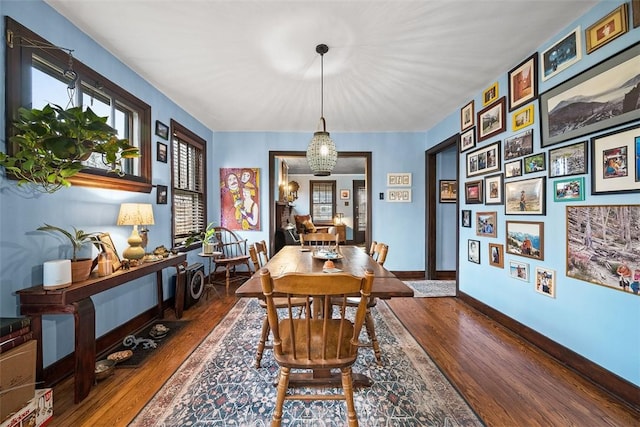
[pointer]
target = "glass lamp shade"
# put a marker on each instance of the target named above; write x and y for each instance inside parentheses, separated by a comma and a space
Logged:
(322, 154)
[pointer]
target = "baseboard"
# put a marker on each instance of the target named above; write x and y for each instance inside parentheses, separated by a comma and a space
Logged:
(445, 275)
(607, 380)
(409, 275)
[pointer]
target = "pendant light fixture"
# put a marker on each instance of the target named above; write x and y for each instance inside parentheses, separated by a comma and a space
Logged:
(321, 153)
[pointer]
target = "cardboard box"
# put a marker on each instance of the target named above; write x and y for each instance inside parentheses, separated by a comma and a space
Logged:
(44, 406)
(25, 417)
(17, 378)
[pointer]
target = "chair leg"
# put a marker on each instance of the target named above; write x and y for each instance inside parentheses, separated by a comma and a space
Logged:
(371, 331)
(263, 339)
(347, 386)
(283, 385)
(227, 277)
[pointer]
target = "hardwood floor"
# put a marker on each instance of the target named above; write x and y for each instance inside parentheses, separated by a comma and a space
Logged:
(506, 381)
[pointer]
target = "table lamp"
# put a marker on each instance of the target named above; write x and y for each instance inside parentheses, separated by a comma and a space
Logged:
(135, 214)
(339, 217)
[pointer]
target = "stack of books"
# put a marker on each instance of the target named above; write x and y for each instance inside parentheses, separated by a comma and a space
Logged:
(14, 331)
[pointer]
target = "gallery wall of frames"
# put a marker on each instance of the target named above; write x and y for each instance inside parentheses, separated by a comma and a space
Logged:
(523, 149)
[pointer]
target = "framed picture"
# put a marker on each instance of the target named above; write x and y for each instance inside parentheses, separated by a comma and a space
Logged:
(568, 190)
(110, 249)
(526, 239)
(525, 196)
(467, 116)
(595, 230)
(162, 130)
(546, 281)
(345, 194)
(473, 251)
(399, 180)
(568, 160)
(466, 218)
(615, 161)
(491, 120)
(635, 8)
(561, 108)
(608, 28)
(561, 55)
(518, 145)
(523, 82)
(496, 255)
(512, 169)
(490, 94)
(484, 160)
(534, 163)
(493, 190)
(162, 152)
(519, 270)
(468, 139)
(400, 195)
(486, 224)
(161, 194)
(473, 192)
(522, 118)
(448, 191)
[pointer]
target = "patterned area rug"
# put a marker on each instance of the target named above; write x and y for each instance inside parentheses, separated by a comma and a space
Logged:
(432, 288)
(218, 384)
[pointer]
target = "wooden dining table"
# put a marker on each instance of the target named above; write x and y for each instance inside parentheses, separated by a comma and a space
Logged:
(353, 260)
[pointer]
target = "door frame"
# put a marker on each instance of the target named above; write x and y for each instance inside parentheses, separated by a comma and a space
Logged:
(272, 180)
(431, 198)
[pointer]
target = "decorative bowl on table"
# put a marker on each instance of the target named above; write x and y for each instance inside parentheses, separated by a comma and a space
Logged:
(158, 331)
(104, 369)
(120, 356)
(326, 254)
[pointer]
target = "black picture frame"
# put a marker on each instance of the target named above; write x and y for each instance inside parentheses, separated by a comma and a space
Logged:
(621, 146)
(473, 192)
(161, 194)
(518, 145)
(161, 152)
(561, 117)
(448, 190)
(484, 160)
(523, 82)
(492, 120)
(494, 189)
(162, 130)
(465, 219)
(535, 163)
(473, 251)
(568, 160)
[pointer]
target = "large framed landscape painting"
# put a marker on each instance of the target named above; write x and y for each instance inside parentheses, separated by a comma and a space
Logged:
(603, 242)
(602, 97)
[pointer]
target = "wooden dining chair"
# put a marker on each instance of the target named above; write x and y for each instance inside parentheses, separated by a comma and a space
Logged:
(234, 254)
(319, 239)
(311, 343)
(261, 250)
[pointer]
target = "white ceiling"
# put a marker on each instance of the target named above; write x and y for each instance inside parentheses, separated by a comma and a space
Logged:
(252, 65)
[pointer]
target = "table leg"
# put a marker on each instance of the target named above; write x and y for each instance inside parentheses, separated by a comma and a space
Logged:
(160, 292)
(85, 352)
(36, 329)
(180, 290)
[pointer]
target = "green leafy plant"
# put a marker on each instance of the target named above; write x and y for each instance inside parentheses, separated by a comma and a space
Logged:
(205, 236)
(51, 144)
(78, 238)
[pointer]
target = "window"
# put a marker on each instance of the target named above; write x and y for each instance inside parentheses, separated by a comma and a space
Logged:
(189, 193)
(39, 73)
(323, 201)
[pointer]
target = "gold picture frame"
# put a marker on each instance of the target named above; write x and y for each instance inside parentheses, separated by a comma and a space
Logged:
(490, 94)
(522, 118)
(608, 28)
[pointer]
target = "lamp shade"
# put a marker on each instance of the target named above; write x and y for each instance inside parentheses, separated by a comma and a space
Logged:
(135, 214)
(321, 154)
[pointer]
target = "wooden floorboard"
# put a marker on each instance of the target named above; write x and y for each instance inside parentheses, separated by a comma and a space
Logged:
(505, 380)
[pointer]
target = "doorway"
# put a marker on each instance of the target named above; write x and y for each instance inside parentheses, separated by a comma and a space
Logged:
(360, 203)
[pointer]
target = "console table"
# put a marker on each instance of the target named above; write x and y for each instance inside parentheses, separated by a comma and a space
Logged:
(76, 300)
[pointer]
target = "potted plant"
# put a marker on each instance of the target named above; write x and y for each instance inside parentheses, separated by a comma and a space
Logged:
(80, 267)
(207, 237)
(51, 144)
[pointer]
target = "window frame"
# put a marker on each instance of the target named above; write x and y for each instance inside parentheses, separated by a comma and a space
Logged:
(333, 201)
(18, 94)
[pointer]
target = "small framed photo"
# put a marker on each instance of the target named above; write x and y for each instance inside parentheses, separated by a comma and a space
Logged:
(484, 160)
(608, 28)
(525, 196)
(518, 145)
(468, 139)
(399, 179)
(523, 82)
(561, 55)
(490, 94)
(513, 169)
(162, 130)
(448, 191)
(568, 160)
(519, 270)
(525, 238)
(162, 152)
(467, 116)
(161, 194)
(496, 255)
(473, 251)
(535, 163)
(493, 190)
(110, 249)
(615, 162)
(466, 218)
(486, 224)
(345, 194)
(522, 118)
(568, 190)
(546, 281)
(491, 120)
(473, 192)
(402, 195)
